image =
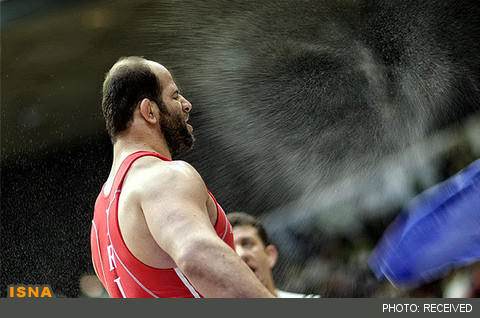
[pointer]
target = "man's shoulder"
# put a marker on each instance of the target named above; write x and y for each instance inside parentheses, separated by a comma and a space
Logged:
(155, 169)
(285, 294)
(155, 176)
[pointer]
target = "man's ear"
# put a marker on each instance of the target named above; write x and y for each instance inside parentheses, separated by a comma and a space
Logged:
(147, 110)
(272, 254)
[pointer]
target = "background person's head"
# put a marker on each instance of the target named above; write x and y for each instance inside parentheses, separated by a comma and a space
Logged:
(253, 246)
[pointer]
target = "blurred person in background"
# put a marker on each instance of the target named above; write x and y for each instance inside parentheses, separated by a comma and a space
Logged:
(91, 287)
(253, 245)
(474, 290)
(157, 231)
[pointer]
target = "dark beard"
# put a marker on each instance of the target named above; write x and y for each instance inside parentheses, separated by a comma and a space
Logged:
(175, 131)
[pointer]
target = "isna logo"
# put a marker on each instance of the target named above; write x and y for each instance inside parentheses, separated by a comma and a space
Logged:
(29, 291)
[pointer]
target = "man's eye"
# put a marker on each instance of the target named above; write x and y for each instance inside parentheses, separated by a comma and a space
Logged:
(247, 244)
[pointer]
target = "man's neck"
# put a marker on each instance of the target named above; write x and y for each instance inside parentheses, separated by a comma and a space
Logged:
(127, 145)
(271, 286)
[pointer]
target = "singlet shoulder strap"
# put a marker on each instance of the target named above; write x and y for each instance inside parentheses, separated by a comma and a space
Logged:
(127, 163)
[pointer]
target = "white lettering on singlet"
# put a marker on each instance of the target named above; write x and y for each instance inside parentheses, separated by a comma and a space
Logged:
(108, 227)
(111, 257)
(117, 281)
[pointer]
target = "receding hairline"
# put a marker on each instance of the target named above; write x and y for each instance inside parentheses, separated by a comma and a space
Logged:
(135, 60)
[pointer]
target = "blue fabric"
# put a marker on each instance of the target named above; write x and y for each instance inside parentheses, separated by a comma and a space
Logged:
(439, 230)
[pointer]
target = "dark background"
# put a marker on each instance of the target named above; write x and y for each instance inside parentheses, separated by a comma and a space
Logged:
(393, 85)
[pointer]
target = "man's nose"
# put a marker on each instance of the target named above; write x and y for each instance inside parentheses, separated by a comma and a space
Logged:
(241, 252)
(186, 106)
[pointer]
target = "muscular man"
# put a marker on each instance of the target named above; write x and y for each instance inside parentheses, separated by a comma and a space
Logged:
(157, 231)
(253, 245)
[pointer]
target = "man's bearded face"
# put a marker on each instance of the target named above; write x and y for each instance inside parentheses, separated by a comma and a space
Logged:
(175, 130)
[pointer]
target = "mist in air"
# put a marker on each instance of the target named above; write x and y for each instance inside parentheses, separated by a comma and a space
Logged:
(324, 119)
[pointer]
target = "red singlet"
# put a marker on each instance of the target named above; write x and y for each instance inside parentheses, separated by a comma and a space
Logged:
(121, 273)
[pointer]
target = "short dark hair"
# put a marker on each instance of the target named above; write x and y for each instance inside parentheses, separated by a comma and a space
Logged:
(128, 82)
(244, 219)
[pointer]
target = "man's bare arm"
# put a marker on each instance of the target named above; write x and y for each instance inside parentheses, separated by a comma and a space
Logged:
(175, 209)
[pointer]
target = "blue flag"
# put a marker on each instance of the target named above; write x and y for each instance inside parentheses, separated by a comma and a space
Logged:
(439, 230)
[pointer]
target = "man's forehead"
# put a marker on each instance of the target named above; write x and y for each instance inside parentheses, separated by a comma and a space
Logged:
(245, 230)
(163, 76)
(155, 65)
(159, 70)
